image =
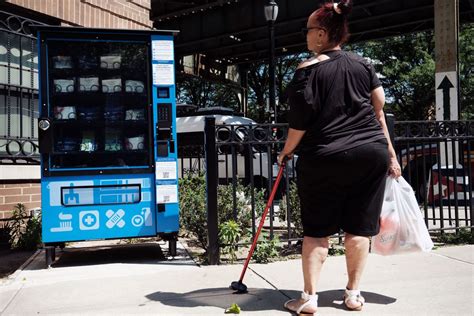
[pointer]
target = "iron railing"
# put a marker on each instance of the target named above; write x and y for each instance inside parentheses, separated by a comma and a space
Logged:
(242, 158)
(18, 90)
(437, 159)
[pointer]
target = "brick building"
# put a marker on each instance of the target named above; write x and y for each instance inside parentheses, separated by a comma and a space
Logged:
(19, 160)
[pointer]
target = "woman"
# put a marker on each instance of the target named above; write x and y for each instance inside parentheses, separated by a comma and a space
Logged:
(336, 118)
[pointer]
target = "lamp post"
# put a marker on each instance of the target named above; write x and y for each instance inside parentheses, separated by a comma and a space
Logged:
(271, 13)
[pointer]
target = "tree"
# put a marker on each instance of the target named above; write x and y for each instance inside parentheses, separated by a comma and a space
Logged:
(258, 82)
(406, 65)
(466, 71)
(206, 93)
(405, 62)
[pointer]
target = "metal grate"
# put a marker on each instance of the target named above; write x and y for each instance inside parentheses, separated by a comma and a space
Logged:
(18, 90)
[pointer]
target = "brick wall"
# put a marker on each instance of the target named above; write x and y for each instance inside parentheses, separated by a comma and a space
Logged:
(28, 194)
(122, 14)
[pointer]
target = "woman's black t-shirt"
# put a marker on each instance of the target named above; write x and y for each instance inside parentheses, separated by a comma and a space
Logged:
(330, 100)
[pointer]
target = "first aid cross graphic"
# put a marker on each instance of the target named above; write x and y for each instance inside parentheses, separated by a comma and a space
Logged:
(89, 220)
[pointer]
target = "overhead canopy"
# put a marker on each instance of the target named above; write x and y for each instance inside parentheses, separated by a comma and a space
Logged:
(235, 31)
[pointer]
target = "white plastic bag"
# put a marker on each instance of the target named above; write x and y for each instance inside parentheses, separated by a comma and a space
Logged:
(402, 228)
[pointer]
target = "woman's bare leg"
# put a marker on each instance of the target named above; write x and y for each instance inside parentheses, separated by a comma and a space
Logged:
(357, 250)
(315, 251)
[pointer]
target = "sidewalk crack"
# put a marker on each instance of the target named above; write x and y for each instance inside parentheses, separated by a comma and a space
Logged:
(11, 299)
(456, 259)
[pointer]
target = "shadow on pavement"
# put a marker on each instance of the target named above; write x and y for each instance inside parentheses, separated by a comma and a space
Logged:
(109, 254)
(256, 299)
(145, 253)
(334, 298)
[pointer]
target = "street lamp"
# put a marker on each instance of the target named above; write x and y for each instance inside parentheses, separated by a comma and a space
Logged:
(271, 13)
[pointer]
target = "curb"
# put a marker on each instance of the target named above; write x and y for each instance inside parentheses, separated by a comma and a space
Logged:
(12, 277)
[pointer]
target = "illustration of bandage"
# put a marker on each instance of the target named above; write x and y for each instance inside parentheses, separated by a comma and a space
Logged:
(115, 218)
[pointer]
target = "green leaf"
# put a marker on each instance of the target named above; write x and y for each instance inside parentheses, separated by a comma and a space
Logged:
(233, 309)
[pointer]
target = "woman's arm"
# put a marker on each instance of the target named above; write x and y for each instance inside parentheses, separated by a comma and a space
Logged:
(378, 101)
(292, 141)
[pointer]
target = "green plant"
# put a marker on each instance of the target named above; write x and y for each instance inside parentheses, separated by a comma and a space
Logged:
(31, 238)
(229, 235)
(464, 236)
(5, 232)
(192, 200)
(266, 249)
(293, 201)
(335, 251)
(243, 201)
(193, 208)
(25, 231)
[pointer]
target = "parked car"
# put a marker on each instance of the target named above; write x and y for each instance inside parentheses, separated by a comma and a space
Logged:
(190, 130)
(435, 181)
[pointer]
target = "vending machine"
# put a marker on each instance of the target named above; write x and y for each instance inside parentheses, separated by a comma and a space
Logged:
(107, 135)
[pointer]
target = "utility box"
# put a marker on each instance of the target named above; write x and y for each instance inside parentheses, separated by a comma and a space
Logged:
(107, 135)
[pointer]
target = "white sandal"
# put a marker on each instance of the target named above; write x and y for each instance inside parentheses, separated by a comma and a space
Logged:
(310, 300)
(354, 295)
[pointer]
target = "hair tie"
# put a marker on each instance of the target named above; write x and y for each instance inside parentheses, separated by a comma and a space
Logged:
(337, 9)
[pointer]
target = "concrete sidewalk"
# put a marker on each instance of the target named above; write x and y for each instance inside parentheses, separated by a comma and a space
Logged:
(139, 279)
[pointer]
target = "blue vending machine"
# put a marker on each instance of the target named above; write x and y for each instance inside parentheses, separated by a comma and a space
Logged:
(107, 135)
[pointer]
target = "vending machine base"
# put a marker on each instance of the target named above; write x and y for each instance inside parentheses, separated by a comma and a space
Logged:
(50, 248)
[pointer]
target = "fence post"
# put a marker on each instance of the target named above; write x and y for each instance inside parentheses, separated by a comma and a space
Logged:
(390, 120)
(211, 190)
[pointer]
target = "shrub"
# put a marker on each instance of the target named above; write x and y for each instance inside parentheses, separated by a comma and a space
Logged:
(193, 211)
(5, 233)
(293, 201)
(25, 231)
(464, 236)
(193, 208)
(225, 203)
(266, 249)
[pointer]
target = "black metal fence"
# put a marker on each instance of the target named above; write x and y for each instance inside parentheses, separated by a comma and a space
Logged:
(18, 90)
(437, 159)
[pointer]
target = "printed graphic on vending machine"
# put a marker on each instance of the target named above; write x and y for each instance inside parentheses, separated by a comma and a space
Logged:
(107, 135)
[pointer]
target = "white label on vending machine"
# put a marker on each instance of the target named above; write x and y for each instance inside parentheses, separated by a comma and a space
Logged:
(162, 50)
(163, 74)
(166, 194)
(165, 170)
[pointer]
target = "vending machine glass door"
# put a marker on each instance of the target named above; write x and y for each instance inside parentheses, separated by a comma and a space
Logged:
(98, 105)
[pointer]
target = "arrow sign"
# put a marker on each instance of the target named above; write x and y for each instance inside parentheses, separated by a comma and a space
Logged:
(446, 85)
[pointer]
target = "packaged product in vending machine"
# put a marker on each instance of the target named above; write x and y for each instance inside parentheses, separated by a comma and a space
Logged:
(112, 85)
(89, 84)
(62, 62)
(134, 86)
(64, 85)
(110, 61)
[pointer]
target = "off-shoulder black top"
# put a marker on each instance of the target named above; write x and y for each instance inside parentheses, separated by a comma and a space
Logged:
(330, 100)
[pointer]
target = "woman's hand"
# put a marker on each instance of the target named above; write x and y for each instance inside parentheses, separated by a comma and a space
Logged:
(282, 156)
(394, 169)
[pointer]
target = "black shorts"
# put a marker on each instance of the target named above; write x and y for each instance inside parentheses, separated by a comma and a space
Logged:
(343, 191)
